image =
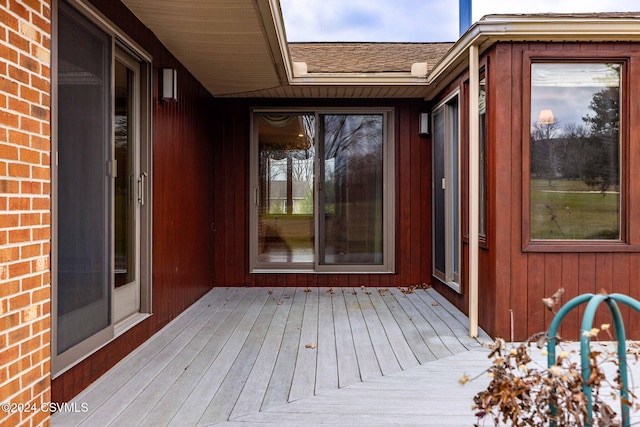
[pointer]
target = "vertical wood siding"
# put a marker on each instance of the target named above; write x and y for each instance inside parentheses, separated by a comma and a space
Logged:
(183, 149)
(231, 208)
(520, 279)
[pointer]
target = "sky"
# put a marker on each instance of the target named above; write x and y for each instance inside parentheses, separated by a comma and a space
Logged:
(412, 20)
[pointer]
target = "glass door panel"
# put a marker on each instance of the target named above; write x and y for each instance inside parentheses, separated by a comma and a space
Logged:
(286, 153)
(126, 206)
(83, 295)
(351, 189)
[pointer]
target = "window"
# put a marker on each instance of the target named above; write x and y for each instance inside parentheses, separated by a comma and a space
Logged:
(102, 216)
(574, 152)
(321, 197)
(446, 192)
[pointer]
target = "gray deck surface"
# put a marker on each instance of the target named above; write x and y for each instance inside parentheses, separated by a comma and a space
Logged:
(296, 357)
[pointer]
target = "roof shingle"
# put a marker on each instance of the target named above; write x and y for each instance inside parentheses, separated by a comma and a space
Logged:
(350, 57)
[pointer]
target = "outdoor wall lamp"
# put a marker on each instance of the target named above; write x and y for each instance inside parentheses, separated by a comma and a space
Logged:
(169, 84)
(423, 124)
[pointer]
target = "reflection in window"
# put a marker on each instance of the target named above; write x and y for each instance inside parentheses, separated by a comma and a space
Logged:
(575, 151)
(320, 199)
(286, 161)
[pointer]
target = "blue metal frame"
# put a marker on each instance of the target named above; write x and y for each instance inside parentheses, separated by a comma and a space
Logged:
(594, 301)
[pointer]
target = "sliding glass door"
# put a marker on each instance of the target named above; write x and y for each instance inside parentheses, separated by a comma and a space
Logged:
(320, 191)
(446, 193)
(101, 209)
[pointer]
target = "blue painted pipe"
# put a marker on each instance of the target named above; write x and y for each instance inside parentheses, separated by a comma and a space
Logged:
(593, 301)
(464, 14)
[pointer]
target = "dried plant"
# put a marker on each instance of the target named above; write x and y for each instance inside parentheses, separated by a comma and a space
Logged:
(523, 393)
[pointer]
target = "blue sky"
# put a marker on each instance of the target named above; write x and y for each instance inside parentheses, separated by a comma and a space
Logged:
(412, 20)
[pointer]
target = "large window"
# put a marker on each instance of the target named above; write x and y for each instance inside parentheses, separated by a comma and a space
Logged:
(320, 191)
(574, 152)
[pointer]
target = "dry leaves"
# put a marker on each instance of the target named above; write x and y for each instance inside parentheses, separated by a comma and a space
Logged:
(410, 289)
(553, 300)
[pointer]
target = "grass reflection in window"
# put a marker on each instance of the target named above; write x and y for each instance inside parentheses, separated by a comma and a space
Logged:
(575, 151)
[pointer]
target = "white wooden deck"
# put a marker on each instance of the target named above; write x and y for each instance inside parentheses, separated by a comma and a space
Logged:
(290, 356)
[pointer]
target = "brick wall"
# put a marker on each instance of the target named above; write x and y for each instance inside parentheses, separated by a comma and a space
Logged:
(25, 210)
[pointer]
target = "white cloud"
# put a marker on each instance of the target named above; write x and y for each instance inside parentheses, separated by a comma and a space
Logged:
(412, 20)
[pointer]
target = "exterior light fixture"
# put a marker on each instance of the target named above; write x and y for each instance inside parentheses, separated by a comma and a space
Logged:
(424, 124)
(169, 84)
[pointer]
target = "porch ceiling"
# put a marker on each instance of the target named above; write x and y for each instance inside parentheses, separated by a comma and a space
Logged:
(225, 44)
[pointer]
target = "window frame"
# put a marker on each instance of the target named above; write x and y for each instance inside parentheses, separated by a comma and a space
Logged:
(624, 243)
(388, 195)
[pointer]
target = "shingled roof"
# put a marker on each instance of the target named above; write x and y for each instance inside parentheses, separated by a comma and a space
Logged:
(349, 57)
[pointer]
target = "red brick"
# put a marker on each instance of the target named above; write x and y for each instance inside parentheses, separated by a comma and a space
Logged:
(19, 268)
(40, 143)
(29, 156)
(9, 119)
(19, 236)
(19, 364)
(18, 74)
(31, 282)
(30, 345)
(29, 94)
(19, 170)
(40, 204)
(42, 24)
(19, 9)
(19, 203)
(20, 334)
(34, 5)
(30, 187)
(18, 137)
(30, 251)
(9, 288)
(39, 112)
(18, 41)
(9, 186)
(8, 152)
(9, 321)
(8, 20)
(19, 106)
(29, 63)
(30, 125)
(31, 377)
(29, 219)
(43, 233)
(40, 325)
(9, 254)
(7, 85)
(8, 220)
(43, 173)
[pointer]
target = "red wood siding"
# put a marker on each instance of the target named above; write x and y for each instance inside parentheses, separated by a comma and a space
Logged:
(520, 278)
(183, 149)
(412, 198)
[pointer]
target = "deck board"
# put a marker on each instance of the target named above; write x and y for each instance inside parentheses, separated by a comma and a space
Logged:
(239, 356)
(327, 361)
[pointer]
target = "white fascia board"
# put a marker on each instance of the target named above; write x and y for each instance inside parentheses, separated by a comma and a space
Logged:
(358, 79)
(488, 31)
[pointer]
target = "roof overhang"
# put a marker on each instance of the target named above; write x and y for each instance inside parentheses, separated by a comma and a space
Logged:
(238, 48)
(493, 29)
